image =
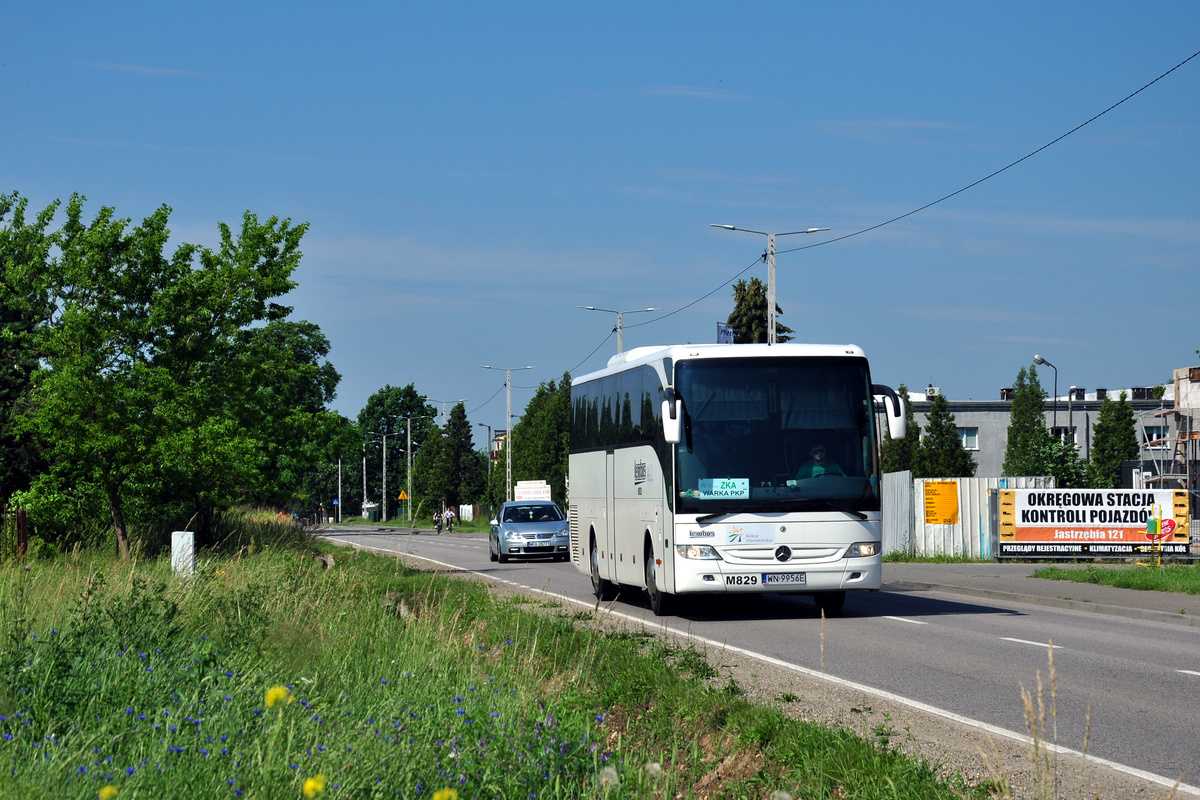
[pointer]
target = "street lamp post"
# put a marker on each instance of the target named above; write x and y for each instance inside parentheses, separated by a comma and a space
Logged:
(508, 371)
(444, 402)
(489, 446)
(384, 437)
(769, 257)
(1037, 359)
(620, 321)
(408, 450)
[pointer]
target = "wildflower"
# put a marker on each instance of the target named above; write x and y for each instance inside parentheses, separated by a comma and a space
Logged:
(655, 770)
(608, 778)
(778, 794)
(107, 793)
(445, 794)
(278, 694)
(313, 785)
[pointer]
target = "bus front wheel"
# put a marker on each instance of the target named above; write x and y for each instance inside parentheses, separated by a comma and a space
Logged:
(603, 589)
(660, 601)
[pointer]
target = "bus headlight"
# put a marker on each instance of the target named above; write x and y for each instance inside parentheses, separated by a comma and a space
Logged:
(702, 552)
(863, 550)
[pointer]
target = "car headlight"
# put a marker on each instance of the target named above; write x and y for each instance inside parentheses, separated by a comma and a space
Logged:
(563, 534)
(513, 536)
(863, 550)
(702, 552)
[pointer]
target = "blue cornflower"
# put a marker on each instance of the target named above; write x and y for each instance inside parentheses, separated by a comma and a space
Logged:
(128, 710)
(383, 681)
(508, 641)
(599, 718)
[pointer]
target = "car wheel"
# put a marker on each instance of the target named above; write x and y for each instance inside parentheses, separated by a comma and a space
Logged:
(492, 555)
(601, 588)
(830, 602)
(503, 559)
(660, 601)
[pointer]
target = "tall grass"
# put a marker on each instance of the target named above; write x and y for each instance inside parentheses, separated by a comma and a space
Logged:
(270, 674)
(1183, 578)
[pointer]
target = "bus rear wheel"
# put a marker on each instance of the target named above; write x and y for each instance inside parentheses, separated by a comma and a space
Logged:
(603, 589)
(830, 602)
(660, 601)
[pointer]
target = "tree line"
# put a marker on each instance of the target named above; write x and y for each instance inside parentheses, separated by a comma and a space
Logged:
(1032, 449)
(144, 390)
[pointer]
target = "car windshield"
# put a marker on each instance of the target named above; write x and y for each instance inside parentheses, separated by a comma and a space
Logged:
(534, 512)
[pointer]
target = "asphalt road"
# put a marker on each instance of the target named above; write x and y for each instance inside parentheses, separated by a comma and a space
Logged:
(966, 655)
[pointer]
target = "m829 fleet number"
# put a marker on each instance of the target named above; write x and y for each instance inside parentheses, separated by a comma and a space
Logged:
(741, 580)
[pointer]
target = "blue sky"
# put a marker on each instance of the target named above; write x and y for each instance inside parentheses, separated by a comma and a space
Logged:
(473, 172)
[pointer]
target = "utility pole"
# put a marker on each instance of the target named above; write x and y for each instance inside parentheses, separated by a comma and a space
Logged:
(508, 437)
(769, 257)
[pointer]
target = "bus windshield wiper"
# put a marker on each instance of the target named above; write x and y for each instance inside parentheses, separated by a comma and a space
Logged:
(726, 512)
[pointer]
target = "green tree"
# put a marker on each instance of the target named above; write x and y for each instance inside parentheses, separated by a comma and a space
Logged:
(1027, 434)
(749, 316)
(465, 480)
(541, 440)
(131, 351)
(1114, 440)
(897, 455)
(385, 412)
(24, 247)
(941, 453)
(1060, 458)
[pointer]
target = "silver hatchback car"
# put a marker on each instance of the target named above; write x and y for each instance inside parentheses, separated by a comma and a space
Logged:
(528, 528)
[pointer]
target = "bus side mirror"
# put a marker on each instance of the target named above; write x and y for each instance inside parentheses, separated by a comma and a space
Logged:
(672, 417)
(893, 408)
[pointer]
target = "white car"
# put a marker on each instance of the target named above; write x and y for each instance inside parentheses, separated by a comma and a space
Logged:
(529, 528)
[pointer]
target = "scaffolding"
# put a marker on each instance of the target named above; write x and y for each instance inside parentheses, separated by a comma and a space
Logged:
(1181, 452)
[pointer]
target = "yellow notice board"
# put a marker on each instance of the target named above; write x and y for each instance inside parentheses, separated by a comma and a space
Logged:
(941, 502)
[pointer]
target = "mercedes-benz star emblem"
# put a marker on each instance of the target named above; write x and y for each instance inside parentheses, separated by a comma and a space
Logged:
(783, 552)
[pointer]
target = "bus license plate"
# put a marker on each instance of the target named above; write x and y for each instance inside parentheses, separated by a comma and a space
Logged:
(774, 579)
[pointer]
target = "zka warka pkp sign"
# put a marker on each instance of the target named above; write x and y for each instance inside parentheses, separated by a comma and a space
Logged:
(1065, 523)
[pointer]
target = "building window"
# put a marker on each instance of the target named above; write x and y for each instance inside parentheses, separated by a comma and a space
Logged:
(970, 438)
(1155, 436)
(1065, 434)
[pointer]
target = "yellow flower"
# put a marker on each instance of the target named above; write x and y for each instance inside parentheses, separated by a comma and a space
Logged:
(313, 785)
(107, 793)
(445, 794)
(278, 694)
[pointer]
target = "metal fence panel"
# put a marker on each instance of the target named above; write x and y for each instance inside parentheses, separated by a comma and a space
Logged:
(14, 534)
(897, 491)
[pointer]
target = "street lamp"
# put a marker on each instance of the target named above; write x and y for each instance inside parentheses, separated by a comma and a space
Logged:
(384, 437)
(489, 427)
(620, 326)
(1040, 361)
(508, 371)
(444, 402)
(769, 257)
(408, 424)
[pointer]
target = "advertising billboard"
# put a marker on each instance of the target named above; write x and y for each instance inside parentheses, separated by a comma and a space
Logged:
(1064, 523)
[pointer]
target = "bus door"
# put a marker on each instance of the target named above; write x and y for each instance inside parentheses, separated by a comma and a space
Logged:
(608, 542)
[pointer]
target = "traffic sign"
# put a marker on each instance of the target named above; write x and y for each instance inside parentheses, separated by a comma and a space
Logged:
(403, 495)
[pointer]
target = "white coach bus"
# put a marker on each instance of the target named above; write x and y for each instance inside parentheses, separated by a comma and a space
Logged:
(729, 468)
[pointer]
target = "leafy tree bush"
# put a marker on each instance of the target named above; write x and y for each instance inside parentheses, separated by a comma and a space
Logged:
(898, 455)
(941, 453)
(542, 439)
(749, 316)
(1114, 439)
(1027, 434)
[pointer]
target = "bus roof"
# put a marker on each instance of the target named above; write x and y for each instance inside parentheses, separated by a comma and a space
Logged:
(683, 352)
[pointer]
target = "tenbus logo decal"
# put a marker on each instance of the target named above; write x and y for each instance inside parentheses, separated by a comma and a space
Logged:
(701, 534)
(641, 472)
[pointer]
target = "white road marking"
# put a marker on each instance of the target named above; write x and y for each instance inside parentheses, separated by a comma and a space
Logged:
(1188, 672)
(909, 621)
(1035, 644)
(861, 687)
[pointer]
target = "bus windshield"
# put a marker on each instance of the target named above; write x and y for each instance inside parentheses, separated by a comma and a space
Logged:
(764, 434)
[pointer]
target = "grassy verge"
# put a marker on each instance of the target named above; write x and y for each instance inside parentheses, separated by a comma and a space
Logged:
(1168, 578)
(904, 558)
(270, 674)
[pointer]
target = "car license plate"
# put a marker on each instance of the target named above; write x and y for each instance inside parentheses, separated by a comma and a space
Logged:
(778, 578)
